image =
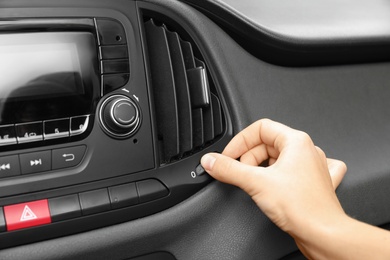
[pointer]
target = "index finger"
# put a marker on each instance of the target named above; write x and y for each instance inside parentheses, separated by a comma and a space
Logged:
(264, 131)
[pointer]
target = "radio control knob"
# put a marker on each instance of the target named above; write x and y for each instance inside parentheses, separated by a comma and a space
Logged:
(119, 116)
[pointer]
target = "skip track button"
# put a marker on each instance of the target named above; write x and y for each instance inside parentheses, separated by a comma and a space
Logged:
(35, 162)
(9, 166)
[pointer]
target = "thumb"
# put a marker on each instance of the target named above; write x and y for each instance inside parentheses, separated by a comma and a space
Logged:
(228, 170)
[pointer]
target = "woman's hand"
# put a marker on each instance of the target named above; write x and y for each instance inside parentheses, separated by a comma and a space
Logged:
(299, 185)
(297, 191)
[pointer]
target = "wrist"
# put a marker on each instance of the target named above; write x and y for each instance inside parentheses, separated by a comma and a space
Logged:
(344, 238)
(323, 238)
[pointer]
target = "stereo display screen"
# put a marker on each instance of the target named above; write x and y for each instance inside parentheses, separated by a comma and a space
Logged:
(47, 75)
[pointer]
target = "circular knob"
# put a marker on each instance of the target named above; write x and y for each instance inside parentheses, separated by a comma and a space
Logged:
(119, 116)
(123, 112)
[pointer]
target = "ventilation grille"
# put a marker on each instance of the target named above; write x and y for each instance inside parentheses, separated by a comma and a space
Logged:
(187, 108)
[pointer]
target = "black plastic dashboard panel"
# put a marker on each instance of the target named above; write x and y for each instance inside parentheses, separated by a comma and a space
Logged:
(344, 108)
(112, 179)
(302, 33)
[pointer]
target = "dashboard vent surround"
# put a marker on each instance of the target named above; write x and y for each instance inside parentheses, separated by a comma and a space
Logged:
(187, 107)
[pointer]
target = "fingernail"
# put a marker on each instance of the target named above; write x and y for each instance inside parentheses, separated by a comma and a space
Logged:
(208, 161)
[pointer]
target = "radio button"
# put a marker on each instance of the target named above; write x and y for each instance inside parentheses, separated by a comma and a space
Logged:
(110, 32)
(56, 128)
(115, 66)
(95, 201)
(9, 166)
(123, 195)
(66, 207)
(114, 52)
(7, 135)
(114, 81)
(78, 125)
(67, 157)
(29, 132)
(35, 162)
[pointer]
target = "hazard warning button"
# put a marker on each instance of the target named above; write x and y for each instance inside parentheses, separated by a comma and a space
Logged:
(29, 214)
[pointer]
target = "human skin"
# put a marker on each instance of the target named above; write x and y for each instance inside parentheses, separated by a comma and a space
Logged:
(297, 191)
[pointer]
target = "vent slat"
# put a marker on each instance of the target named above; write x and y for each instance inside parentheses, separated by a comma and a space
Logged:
(182, 93)
(208, 124)
(164, 90)
(197, 116)
(188, 55)
(217, 115)
(199, 63)
(188, 110)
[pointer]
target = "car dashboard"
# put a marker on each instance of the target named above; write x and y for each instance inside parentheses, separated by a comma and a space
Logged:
(108, 106)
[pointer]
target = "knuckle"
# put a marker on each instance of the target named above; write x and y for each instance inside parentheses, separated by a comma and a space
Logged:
(303, 138)
(265, 120)
(320, 151)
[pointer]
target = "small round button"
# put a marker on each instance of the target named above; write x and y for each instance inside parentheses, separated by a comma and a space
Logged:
(119, 116)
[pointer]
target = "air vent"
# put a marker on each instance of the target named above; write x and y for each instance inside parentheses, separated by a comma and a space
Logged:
(187, 107)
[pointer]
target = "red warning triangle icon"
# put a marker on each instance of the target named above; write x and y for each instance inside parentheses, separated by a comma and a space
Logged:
(27, 214)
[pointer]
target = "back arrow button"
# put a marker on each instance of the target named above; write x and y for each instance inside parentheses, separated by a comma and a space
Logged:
(67, 157)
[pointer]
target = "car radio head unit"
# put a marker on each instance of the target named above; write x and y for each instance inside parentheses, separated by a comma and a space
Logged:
(103, 119)
(66, 97)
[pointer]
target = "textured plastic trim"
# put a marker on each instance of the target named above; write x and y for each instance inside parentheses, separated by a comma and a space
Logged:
(298, 33)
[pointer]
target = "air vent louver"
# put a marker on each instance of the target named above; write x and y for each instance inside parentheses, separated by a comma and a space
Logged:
(187, 107)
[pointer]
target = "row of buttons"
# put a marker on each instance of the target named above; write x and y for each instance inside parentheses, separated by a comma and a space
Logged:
(27, 163)
(46, 211)
(43, 130)
(114, 56)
